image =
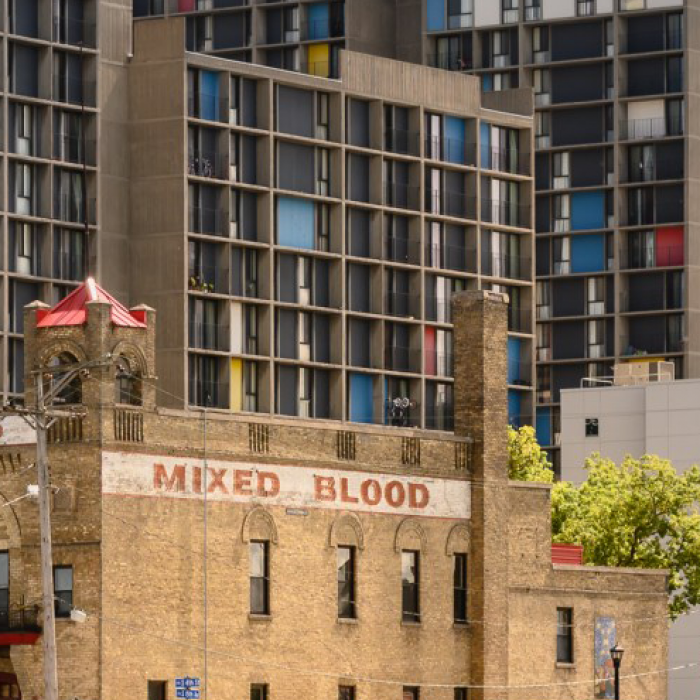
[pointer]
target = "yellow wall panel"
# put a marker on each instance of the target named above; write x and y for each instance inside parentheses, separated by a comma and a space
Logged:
(319, 61)
(236, 385)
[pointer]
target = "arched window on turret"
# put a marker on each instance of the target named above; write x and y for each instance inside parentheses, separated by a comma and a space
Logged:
(71, 391)
(128, 388)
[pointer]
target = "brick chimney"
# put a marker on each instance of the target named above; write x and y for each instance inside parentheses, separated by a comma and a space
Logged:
(481, 412)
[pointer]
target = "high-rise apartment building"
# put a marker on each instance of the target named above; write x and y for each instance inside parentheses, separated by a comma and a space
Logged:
(310, 232)
(614, 135)
(64, 110)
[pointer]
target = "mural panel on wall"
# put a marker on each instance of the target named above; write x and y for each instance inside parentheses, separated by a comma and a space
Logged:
(605, 640)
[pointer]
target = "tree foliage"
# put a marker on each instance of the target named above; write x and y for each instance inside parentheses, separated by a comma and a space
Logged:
(526, 460)
(637, 514)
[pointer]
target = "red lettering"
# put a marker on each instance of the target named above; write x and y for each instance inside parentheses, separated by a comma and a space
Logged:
(217, 480)
(197, 480)
(375, 497)
(268, 484)
(174, 482)
(325, 488)
(395, 494)
(418, 496)
(345, 497)
(241, 483)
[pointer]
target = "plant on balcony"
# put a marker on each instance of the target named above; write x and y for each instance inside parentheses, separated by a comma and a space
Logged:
(197, 284)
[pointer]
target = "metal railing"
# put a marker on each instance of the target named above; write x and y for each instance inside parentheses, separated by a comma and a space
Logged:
(640, 303)
(659, 169)
(75, 32)
(507, 266)
(401, 196)
(438, 309)
(20, 618)
(648, 343)
(651, 41)
(76, 91)
(212, 222)
(519, 320)
(400, 304)
(448, 203)
(209, 336)
(450, 150)
(208, 279)
(507, 160)
(496, 211)
(210, 394)
(652, 257)
(402, 141)
(73, 209)
(207, 164)
(402, 359)
(75, 149)
(450, 61)
(208, 107)
(519, 373)
(650, 213)
(401, 250)
(449, 257)
(661, 127)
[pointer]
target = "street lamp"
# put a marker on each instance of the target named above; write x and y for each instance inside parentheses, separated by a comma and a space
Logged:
(617, 652)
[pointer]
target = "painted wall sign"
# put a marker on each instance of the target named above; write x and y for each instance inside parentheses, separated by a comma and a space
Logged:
(296, 487)
(14, 430)
(187, 688)
(605, 640)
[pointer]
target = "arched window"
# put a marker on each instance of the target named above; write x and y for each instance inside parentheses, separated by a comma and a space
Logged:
(72, 391)
(127, 384)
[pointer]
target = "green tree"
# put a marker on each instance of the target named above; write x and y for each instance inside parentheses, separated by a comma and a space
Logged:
(526, 460)
(638, 514)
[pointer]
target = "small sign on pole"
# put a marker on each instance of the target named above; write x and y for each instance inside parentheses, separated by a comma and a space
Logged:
(187, 688)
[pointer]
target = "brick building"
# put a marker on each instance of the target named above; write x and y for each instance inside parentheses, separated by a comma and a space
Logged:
(326, 560)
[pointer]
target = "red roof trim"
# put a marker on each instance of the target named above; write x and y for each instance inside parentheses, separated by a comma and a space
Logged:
(72, 310)
(9, 639)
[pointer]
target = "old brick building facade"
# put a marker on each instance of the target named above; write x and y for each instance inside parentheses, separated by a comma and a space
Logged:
(327, 560)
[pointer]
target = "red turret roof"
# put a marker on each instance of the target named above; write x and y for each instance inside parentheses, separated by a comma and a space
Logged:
(72, 310)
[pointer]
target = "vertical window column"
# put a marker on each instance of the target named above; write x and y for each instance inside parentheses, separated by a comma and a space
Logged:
(259, 579)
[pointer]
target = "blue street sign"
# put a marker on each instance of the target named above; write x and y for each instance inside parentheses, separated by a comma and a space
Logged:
(184, 687)
(187, 694)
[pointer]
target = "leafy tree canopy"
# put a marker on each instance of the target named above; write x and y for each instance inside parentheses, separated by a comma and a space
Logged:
(526, 459)
(637, 514)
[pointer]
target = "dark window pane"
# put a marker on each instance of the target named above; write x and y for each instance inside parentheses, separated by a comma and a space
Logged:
(460, 587)
(346, 582)
(565, 635)
(259, 578)
(346, 692)
(63, 590)
(258, 692)
(410, 576)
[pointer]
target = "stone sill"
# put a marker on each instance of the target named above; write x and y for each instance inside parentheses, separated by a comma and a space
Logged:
(253, 617)
(566, 666)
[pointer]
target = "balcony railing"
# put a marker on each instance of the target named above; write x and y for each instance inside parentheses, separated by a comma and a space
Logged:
(652, 257)
(402, 141)
(401, 196)
(210, 165)
(76, 32)
(450, 61)
(74, 91)
(496, 211)
(438, 309)
(75, 149)
(208, 107)
(74, 209)
(533, 14)
(659, 169)
(651, 41)
(649, 214)
(322, 69)
(519, 373)
(507, 160)
(209, 336)
(20, 619)
(402, 250)
(447, 203)
(439, 364)
(318, 29)
(208, 279)
(212, 222)
(648, 343)
(506, 266)
(209, 394)
(402, 359)
(449, 257)
(519, 320)
(450, 150)
(640, 129)
(400, 304)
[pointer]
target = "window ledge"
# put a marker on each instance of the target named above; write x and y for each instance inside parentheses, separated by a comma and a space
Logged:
(566, 665)
(348, 621)
(410, 623)
(462, 625)
(256, 617)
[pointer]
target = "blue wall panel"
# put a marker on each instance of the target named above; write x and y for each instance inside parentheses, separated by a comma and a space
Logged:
(455, 137)
(295, 222)
(587, 211)
(513, 360)
(485, 138)
(209, 95)
(318, 17)
(588, 253)
(544, 426)
(436, 15)
(514, 418)
(361, 398)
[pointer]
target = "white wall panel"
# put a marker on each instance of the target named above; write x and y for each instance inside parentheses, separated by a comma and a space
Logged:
(649, 109)
(653, 4)
(605, 7)
(554, 9)
(236, 325)
(486, 13)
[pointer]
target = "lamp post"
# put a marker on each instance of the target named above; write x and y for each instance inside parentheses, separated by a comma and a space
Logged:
(617, 653)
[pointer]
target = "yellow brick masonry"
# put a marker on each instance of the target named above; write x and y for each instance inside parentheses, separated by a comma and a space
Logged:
(138, 561)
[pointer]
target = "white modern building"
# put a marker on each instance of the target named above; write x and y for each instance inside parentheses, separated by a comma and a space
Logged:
(641, 410)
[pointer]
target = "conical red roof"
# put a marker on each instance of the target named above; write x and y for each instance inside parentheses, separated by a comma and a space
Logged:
(72, 311)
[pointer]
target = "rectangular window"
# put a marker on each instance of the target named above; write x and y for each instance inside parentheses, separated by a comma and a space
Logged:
(410, 579)
(4, 589)
(461, 694)
(258, 691)
(63, 590)
(411, 693)
(346, 582)
(460, 588)
(157, 690)
(259, 578)
(565, 635)
(346, 692)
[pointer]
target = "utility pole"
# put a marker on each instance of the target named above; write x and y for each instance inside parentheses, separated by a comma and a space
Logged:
(41, 417)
